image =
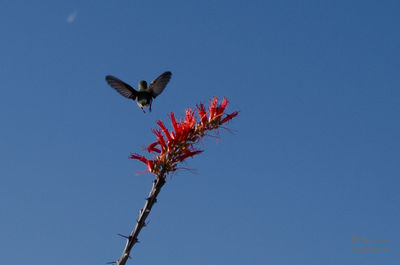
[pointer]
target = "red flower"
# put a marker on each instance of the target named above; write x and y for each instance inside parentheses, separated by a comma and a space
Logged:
(221, 108)
(228, 117)
(213, 108)
(174, 124)
(160, 139)
(188, 153)
(202, 113)
(164, 129)
(149, 163)
(179, 144)
(152, 148)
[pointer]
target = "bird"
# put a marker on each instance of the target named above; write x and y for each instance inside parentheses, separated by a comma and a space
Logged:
(145, 94)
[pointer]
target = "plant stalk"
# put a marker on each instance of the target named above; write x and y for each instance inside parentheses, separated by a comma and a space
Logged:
(132, 239)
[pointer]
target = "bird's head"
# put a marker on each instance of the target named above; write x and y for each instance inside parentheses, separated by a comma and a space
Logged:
(142, 85)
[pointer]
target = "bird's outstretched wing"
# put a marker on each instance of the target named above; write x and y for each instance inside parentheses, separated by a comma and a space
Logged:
(123, 88)
(157, 86)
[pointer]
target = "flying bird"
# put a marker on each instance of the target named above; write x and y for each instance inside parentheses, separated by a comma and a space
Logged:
(145, 94)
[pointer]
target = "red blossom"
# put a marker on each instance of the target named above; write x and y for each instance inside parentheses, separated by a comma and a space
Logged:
(202, 113)
(160, 138)
(229, 117)
(220, 109)
(224, 104)
(152, 147)
(164, 129)
(186, 126)
(188, 153)
(190, 119)
(143, 159)
(174, 123)
(213, 108)
(179, 143)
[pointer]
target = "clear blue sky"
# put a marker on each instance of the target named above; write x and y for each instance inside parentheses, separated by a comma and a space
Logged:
(313, 160)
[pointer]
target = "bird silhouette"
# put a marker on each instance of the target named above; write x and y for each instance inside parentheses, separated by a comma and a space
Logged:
(145, 94)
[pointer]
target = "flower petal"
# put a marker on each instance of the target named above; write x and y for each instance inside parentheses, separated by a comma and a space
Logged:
(228, 117)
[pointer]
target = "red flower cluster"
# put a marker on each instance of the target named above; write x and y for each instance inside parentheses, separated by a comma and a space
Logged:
(175, 146)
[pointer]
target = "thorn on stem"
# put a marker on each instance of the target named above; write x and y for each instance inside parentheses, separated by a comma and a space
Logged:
(121, 235)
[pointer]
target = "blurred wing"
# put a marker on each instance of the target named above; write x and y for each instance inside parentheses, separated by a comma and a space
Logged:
(158, 85)
(123, 88)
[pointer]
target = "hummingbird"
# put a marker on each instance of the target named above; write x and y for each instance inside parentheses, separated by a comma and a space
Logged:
(145, 94)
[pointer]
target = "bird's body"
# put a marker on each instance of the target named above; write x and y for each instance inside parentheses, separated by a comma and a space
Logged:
(144, 99)
(145, 94)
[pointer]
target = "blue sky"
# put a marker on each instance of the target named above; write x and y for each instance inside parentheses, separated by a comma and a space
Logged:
(312, 161)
